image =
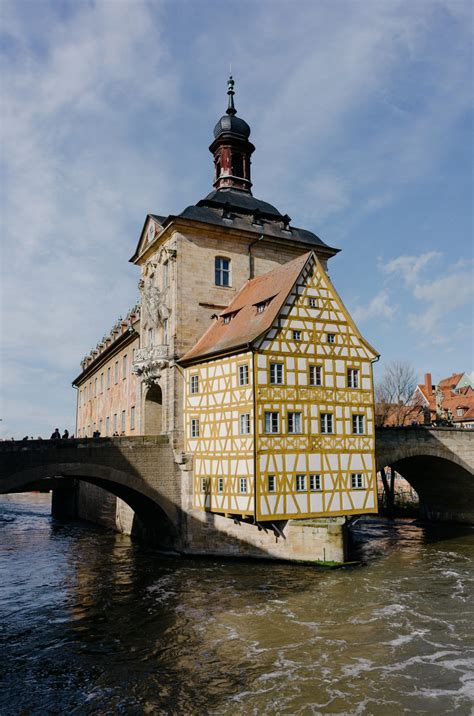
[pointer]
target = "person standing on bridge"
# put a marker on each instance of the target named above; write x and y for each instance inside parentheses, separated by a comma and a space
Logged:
(56, 435)
(65, 435)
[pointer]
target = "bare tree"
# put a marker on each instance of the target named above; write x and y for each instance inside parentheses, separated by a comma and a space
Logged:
(394, 403)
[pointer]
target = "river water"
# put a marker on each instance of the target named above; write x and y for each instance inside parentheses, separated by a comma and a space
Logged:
(92, 623)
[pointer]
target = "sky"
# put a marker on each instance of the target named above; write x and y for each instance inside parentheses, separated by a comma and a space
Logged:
(361, 114)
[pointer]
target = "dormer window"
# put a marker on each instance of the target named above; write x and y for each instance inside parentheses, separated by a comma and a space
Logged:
(460, 412)
(262, 306)
(228, 317)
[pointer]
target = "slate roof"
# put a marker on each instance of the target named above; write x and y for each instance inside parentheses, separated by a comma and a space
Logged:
(246, 324)
(231, 208)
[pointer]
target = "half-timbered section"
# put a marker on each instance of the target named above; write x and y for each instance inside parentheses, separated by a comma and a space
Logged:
(219, 428)
(310, 451)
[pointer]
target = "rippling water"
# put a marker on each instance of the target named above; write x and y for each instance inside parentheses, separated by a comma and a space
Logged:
(94, 624)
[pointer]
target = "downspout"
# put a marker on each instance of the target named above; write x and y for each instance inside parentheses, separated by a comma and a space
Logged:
(251, 266)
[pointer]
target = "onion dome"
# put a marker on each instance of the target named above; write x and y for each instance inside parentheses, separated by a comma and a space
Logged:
(229, 122)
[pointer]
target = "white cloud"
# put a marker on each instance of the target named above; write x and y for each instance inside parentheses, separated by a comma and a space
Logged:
(410, 267)
(450, 289)
(381, 306)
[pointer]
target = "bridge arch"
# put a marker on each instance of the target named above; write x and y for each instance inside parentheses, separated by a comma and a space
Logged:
(155, 516)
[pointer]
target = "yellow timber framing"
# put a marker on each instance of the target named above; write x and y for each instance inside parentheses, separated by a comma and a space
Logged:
(334, 456)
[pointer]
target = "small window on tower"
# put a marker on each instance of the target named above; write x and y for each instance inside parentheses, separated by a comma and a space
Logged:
(237, 165)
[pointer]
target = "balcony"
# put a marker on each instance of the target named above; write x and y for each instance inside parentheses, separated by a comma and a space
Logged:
(149, 362)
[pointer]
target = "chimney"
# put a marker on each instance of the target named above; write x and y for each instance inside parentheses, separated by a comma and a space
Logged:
(428, 384)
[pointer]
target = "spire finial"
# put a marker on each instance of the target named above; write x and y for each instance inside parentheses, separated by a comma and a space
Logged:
(230, 91)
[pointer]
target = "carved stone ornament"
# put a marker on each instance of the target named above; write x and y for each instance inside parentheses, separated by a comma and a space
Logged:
(150, 362)
(154, 309)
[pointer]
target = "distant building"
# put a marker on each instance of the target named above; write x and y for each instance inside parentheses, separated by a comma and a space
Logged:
(451, 400)
(242, 352)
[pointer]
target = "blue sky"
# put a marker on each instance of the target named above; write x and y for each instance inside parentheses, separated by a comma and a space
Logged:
(361, 113)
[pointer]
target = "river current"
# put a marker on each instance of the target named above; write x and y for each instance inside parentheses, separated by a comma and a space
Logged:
(93, 623)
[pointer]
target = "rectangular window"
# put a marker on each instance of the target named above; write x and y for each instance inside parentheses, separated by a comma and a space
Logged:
(166, 336)
(243, 375)
(326, 423)
(166, 275)
(194, 428)
(220, 485)
(222, 271)
(358, 424)
(100, 425)
(352, 378)
(300, 483)
(315, 483)
(124, 367)
(116, 372)
(122, 426)
(95, 388)
(107, 426)
(315, 375)
(294, 423)
(312, 302)
(101, 382)
(272, 422)
(271, 483)
(245, 424)
(276, 373)
(132, 418)
(108, 377)
(194, 384)
(151, 336)
(331, 338)
(296, 335)
(204, 484)
(115, 423)
(243, 485)
(357, 481)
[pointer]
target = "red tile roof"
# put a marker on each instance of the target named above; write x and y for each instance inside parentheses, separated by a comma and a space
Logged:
(246, 324)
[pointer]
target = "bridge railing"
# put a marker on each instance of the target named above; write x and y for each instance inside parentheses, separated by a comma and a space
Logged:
(71, 443)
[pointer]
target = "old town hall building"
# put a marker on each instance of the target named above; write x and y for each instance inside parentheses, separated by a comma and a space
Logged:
(242, 352)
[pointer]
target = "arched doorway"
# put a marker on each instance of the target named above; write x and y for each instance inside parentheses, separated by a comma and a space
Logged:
(153, 411)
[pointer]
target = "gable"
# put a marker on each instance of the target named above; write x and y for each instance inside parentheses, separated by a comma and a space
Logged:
(152, 227)
(327, 316)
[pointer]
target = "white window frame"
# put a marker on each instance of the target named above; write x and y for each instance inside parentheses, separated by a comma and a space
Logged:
(297, 335)
(315, 482)
(194, 384)
(330, 337)
(115, 423)
(358, 424)
(194, 427)
(276, 373)
(272, 420)
(116, 372)
(271, 483)
(243, 485)
(123, 421)
(220, 485)
(244, 374)
(315, 375)
(352, 377)
(295, 422)
(326, 423)
(312, 302)
(124, 366)
(222, 273)
(132, 418)
(204, 485)
(300, 483)
(357, 481)
(244, 424)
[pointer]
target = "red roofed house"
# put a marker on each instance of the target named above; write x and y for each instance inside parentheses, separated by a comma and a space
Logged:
(451, 400)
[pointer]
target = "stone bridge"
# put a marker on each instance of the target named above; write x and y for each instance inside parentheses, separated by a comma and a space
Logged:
(438, 463)
(156, 484)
